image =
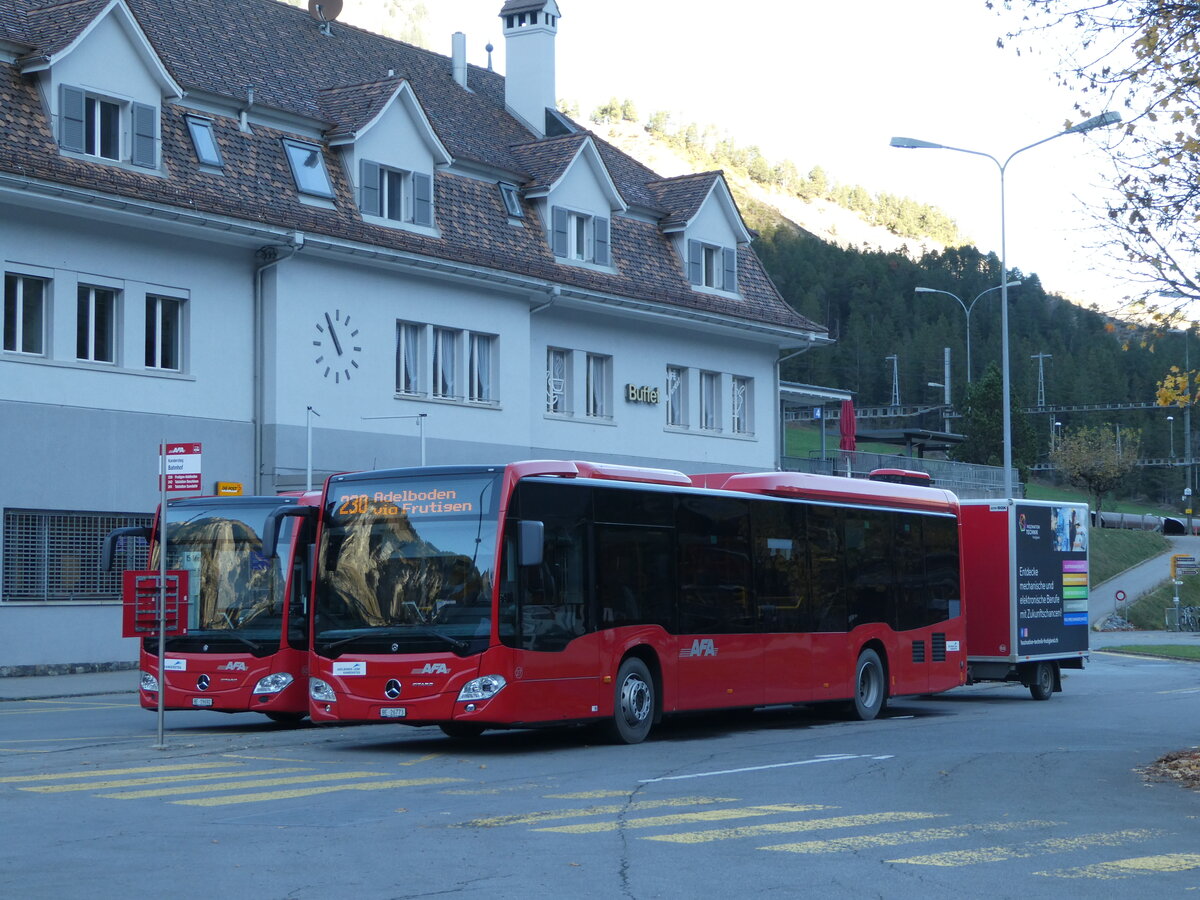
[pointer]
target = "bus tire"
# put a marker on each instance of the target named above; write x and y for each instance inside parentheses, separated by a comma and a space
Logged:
(461, 731)
(286, 718)
(1041, 686)
(633, 703)
(870, 686)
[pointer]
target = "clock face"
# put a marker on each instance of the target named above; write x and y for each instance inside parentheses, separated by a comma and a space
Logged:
(337, 346)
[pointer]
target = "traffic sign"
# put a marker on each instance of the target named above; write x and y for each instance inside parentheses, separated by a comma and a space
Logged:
(180, 463)
(1183, 564)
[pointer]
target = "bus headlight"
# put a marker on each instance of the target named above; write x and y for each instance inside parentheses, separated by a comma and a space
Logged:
(149, 683)
(483, 688)
(320, 690)
(273, 684)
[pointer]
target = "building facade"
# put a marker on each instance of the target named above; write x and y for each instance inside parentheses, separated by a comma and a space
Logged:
(313, 249)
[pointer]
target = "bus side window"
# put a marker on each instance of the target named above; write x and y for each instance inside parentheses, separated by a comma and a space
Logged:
(552, 594)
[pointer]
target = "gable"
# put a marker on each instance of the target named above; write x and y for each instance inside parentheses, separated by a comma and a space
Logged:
(586, 184)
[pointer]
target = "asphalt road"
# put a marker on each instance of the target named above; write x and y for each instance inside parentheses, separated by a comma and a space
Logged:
(978, 792)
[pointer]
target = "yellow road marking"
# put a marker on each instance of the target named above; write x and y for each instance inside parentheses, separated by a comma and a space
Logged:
(19, 779)
(27, 711)
(420, 759)
(895, 838)
(309, 792)
(237, 785)
(160, 779)
(588, 795)
(1127, 868)
(1026, 851)
(550, 815)
(711, 815)
(722, 834)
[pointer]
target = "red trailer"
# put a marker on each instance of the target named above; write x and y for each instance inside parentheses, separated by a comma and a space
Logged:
(1025, 591)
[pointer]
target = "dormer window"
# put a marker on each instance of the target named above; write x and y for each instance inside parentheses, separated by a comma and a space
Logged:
(512, 200)
(712, 266)
(308, 168)
(395, 194)
(92, 124)
(579, 236)
(204, 139)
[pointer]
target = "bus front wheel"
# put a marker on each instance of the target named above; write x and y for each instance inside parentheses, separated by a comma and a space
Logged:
(870, 686)
(633, 707)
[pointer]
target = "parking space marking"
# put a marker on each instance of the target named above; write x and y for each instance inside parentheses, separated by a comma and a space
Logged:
(159, 779)
(838, 757)
(896, 838)
(239, 785)
(1027, 851)
(93, 773)
(724, 834)
(1129, 868)
(313, 791)
(614, 809)
(710, 815)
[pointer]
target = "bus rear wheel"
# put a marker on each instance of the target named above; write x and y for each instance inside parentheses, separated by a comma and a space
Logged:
(870, 686)
(633, 707)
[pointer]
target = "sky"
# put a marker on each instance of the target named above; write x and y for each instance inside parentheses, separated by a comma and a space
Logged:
(830, 84)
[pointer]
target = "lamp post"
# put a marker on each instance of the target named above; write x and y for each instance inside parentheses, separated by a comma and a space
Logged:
(967, 309)
(1171, 425)
(1104, 119)
(420, 417)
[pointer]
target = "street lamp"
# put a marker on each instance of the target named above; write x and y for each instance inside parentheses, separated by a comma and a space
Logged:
(1104, 119)
(967, 309)
(420, 417)
(1171, 425)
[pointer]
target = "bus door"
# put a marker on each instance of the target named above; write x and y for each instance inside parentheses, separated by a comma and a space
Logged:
(719, 660)
(556, 656)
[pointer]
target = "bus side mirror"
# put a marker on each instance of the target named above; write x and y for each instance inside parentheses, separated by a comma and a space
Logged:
(530, 534)
(270, 535)
(109, 550)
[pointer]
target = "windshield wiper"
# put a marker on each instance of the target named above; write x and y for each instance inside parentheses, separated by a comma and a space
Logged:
(456, 645)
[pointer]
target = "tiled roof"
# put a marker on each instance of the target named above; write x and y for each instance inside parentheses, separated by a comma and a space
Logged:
(682, 197)
(223, 47)
(351, 107)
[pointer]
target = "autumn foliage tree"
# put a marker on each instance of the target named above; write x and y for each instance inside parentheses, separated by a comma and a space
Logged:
(1142, 57)
(1097, 459)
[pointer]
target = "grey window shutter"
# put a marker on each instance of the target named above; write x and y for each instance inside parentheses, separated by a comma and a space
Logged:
(422, 199)
(558, 237)
(600, 229)
(368, 188)
(730, 282)
(70, 118)
(695, 262)
(145, 135)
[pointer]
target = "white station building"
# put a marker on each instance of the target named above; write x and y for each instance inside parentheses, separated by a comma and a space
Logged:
(226, 222)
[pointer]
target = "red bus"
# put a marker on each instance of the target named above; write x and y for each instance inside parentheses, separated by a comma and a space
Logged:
(246, 646)
(550, 592)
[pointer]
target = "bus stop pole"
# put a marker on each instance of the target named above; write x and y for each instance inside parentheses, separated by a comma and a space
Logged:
(162, 588)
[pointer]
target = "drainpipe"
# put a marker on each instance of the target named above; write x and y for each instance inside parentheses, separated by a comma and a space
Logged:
(555, 292)
(779, 447)
(269, 256)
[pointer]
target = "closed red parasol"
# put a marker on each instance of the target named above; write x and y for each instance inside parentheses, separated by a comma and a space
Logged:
(846, 425)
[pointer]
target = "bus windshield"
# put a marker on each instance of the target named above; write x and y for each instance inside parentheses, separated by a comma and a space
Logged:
(234, 592)
(405, 564)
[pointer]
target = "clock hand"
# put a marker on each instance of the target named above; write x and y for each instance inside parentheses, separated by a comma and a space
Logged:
(337, 345)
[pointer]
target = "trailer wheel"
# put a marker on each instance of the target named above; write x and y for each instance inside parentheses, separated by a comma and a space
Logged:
(633, 709)
(1042, 684)
(870, 686)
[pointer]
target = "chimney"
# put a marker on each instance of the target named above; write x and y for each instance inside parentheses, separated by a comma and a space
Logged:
(458, 57)
(529, 30)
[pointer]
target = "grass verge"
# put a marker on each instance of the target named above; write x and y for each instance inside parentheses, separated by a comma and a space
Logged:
(1164, 651)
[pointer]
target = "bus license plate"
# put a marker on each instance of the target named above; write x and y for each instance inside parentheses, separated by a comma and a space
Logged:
(202, 701)
(393, 712)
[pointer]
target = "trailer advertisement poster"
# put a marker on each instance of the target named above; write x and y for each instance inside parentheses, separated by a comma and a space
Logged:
(1051, 578)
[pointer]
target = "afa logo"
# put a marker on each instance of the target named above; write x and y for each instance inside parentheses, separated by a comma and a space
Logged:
(700, 647)
(432, 669)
